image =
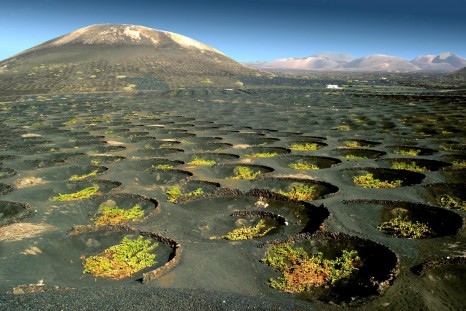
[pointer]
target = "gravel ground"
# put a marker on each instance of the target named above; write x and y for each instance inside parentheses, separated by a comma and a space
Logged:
(143, 299)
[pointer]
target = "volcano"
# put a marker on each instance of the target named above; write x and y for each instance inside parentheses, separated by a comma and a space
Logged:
(118, 58)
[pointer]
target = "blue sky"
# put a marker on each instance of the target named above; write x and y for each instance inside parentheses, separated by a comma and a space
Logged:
(256, 29)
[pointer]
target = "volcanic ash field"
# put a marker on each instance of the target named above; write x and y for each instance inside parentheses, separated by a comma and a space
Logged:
(368, 191)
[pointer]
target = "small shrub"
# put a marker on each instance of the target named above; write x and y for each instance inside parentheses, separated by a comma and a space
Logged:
(238, 84)
(247, 233)
(199, 161)
(80, 195)
(82, 177)
(262, 155)
(304, 147)
(401, 226)
(449, 201)
(352, 144)
(244, 172)
(207, 81)
(345, 128)
(303, 166)
(461, 163)
(299, 192)
(302, 272)
(175, 194)
(72, 121)
(162, 166)
(408, 166)
(113, 215)
(195, 193)
(409, 152)
(368, 181)
(355, 157)
(121, 260)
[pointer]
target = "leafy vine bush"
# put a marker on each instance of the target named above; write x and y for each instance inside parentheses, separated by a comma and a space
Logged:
(113, 215)
(303, 166)
(352, 144)
(82, 177)
(200, 161)
(175, 193)
(408, 166)
(299, 192)
(368, 181)
(355, 157)
(304, 147)
(461, 163)
(449, 201)
(163, 166)
(345, 128)
(244, 172)
(247, 233)
(121, 260)
(80, 195)
(301, 272)
(400, 226)
(409, 152)
(262, 155)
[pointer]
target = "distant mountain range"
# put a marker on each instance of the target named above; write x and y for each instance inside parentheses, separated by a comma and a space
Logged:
(445, 62)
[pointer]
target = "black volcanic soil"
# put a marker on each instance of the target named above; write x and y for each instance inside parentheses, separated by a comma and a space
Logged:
(142, 144)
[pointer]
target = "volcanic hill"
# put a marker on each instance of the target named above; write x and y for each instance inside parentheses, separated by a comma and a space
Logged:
(118, 58)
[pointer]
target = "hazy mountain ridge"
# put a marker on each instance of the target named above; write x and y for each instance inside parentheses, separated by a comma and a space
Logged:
(109, 57)
(444, 62)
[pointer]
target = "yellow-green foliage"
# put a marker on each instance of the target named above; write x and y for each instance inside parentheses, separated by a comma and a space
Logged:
(194, 193)
(80, 195)
(72, 121)
(82, 177)
(113, 215)
(304, 147)
(244, 172)
(207, 81)
(368, 181)
(302, 272)
(303, 166)
(449, 201)
(353, 156)
(409, 152)
(163, 166)
(247, 233)
(352, 144)
(408, 166)
(461, 163)
(122, 260)
(299, 192)
(261, 155)
(402, 227)
(341, 128)
(199, 161)
(238, 84)
(175, 193)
